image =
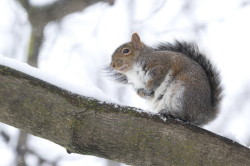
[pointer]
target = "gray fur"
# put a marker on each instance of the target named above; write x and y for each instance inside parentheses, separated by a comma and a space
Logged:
(178, 80)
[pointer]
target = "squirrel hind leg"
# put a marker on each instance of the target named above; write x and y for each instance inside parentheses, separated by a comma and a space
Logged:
(165, 114)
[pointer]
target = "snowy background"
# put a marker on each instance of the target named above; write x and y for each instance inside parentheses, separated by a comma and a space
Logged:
(76, 49)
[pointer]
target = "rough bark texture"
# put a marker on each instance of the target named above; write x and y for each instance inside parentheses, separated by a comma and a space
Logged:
(87, 126)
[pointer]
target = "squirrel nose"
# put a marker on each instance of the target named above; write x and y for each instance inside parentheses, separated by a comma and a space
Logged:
(116, 63)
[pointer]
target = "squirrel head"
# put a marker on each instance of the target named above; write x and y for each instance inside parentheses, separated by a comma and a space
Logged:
(124, 56)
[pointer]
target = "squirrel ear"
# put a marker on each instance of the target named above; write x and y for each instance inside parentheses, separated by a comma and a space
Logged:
(135, 39)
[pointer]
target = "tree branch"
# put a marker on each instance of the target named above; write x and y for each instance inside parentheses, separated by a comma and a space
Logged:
(87, 126)
(40, 16)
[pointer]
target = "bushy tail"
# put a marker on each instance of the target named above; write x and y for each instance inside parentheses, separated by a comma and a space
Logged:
(191, 50)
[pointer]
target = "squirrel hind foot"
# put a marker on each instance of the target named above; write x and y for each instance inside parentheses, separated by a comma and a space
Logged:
(169, 116)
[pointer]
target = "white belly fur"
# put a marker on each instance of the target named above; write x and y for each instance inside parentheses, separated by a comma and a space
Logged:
(172, 91)
(172, 96)
(136, 77)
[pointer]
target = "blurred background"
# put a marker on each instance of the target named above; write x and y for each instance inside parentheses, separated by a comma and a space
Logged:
(72, 40)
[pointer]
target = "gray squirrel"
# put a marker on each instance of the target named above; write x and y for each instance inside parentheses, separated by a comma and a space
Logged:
(176, 78)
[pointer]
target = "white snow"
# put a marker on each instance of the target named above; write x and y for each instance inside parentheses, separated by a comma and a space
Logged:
(89, 91)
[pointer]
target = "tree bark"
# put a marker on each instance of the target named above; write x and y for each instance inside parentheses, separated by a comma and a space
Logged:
(87, 126)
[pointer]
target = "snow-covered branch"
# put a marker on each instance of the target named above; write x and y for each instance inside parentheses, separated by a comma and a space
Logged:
(87, 126)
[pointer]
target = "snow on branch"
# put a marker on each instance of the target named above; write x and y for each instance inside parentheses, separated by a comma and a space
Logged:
(87, 126)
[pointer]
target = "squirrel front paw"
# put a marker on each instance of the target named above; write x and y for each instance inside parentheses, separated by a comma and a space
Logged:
(144, 93)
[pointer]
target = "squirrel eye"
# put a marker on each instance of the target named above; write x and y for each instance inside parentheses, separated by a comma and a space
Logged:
(125, 51)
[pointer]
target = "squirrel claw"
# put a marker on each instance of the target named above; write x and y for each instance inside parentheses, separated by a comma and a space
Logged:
(145, 93)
